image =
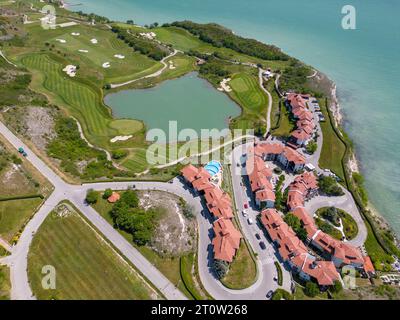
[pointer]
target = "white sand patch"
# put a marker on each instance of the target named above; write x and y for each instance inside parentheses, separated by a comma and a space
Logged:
(120, 138)
(171, 65)
(75, 33)
(67, 24)
(148, 35)
(83, 51)
(94, 41)
(224, 85)
(70, 70)
(106, 65)
(61, 40)
(119, 56)
(181, 220)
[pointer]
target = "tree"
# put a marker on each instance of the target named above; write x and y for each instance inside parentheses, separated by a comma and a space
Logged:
(292, 221)
(130, 22)
(92, 197)
(329, 186)
(311, 289)
(130, 198)
(337, 287)
(221, 268)
(311, 147)
(119, 154)
(108, 193)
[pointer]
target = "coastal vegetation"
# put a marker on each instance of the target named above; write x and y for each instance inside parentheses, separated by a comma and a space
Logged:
(179, 267)
(329, 186)
(87, 266)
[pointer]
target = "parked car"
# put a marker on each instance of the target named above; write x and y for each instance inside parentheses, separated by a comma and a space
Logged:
(262, 245)
(250, 221)
(258, 236)
(276, 279)
(269, 294)
(244, 213)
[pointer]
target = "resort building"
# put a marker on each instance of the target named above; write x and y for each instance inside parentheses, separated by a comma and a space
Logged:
(293, 251)
(219, 203)
(287, 157)
(259, 178)
(297, 104)
(304, 187)
(226, 241)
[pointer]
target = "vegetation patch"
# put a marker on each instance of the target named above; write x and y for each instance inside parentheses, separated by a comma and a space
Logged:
(87, 267)
(5, 284)
(242, 271)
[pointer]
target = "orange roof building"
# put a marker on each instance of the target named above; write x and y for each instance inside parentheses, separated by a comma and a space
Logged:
(226, 241)
(219, 203)
(114, 197)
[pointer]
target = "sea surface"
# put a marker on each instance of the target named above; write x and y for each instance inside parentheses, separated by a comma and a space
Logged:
(363, 62)
(190, 101)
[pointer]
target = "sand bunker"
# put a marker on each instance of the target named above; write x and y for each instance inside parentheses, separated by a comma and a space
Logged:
(148, 35)
(94, 41)
(120, 138)
(171, 65)
(119, 56)
(75, 33)
(70, 70)
(61, 40)
(84, 51)
(225, 86)
(106, 65)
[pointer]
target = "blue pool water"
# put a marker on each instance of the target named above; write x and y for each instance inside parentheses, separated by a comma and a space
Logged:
(213, 167)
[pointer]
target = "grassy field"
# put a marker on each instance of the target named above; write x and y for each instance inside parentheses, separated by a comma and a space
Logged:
(333, 148)
(253, 101)
(169, 266)
(242, 271)
(5, 285)
(286, 126)
(14, 214)
(86, 266)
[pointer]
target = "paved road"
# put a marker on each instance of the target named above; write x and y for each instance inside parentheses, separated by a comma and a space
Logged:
(261, 81)
(76, 194)
(153, 75)
(5, 245)
(18, 260)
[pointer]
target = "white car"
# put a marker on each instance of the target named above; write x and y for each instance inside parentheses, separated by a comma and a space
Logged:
(244, 213)
(250, 221)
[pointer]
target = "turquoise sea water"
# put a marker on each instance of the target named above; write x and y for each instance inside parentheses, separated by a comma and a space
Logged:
(190, 101)
(364, 63)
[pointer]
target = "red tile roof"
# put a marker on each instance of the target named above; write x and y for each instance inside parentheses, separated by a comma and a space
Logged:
(218, 202)
(323, 271)
(265, 195)
(300, 134)
(293, 156)
(307, 221)
(114, 197)
(226, 241)
(368, 266)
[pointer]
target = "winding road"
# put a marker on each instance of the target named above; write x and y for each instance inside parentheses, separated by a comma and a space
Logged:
(153, 75)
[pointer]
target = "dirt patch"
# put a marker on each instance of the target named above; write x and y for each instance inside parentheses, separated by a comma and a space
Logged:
(40, 126)
(175, 234)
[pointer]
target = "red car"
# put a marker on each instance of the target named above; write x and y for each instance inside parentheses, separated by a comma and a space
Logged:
(246, 206)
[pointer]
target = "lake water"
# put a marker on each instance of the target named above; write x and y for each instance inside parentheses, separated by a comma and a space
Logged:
(190, 101)
(364, 63)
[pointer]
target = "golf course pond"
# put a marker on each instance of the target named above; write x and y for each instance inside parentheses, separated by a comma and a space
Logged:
(190, 101)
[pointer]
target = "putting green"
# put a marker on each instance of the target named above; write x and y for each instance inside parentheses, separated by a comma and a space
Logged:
(127, 126)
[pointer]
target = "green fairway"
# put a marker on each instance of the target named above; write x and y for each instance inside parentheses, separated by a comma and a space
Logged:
(14, 214)
(127, 126)
(253, 101)
(86, 266)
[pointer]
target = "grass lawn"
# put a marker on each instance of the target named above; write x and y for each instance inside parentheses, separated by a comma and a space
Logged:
(169, 266)
(375, 251)
(242, 271)
(253, 101)
(5, 284)
(333, 148)
(286, 126)
(300, 295)
(328, 228)
(87, 268)
(14, 214)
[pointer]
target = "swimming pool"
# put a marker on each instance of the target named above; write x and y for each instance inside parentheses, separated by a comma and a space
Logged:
(213, 167)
